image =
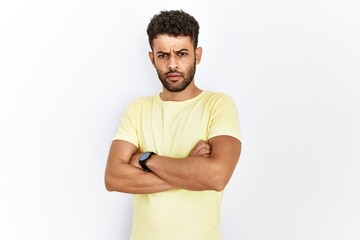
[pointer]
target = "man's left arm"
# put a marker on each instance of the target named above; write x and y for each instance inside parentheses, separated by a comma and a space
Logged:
(211, 172)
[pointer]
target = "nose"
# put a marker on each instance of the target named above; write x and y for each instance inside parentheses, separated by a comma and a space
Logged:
(172, 63)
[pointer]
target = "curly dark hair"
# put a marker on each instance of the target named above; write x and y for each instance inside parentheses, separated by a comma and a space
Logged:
(175, 23)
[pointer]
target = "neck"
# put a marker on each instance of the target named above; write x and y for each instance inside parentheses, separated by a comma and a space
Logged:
(188, 93)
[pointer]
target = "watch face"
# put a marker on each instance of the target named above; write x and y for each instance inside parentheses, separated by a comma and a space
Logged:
(144, 156)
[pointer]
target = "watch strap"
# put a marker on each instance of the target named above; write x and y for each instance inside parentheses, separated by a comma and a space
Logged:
(143, 162)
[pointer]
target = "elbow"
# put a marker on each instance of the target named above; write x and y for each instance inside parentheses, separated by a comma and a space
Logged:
(109, 188)
(114, 184)
(218, 181)
(109, 183)
(219, 188)
(219, 184)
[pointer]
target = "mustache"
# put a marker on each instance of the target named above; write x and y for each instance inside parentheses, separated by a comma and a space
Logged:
(173, 71)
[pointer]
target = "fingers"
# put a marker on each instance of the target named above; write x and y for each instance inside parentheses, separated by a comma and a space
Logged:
(204, 151)
(201, 148)
(201, 144)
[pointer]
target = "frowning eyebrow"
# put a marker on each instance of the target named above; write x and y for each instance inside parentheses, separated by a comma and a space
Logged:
(177, 52)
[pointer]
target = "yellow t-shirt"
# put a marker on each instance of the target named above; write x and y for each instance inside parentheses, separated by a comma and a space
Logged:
(172, 128)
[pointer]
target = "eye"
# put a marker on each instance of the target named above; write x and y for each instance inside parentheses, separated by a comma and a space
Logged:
(162, 55)
(182, 54)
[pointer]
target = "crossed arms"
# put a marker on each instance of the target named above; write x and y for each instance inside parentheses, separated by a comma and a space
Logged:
(209, 166)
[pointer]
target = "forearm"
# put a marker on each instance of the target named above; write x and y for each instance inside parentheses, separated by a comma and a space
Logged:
(192, 173)
(129, 179)
(202, 170)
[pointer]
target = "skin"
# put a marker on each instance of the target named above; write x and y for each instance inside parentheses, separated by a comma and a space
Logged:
(175, 54)
(209, 165)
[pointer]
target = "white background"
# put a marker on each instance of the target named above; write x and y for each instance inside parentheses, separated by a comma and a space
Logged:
(69, 68)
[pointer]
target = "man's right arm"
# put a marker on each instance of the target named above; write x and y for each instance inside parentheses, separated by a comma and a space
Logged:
(121, 176)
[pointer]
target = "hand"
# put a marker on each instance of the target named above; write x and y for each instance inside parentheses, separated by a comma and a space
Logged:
(201, 149)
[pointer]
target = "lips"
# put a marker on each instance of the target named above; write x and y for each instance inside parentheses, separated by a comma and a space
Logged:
(173, 76)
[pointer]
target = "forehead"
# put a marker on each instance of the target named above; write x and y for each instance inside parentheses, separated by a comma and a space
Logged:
(165, 42)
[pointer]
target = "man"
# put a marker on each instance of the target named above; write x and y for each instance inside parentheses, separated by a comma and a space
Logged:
(176, 150)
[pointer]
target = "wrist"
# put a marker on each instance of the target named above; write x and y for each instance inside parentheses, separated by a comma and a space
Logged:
(151, 163)
(144, 160)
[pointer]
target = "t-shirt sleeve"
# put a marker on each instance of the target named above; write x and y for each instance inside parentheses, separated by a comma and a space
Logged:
(127, 128)
(224, 118)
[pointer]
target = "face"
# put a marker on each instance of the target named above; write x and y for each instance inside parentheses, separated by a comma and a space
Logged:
(175, 61)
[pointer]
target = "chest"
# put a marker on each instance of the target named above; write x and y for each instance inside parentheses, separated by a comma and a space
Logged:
(173, 130)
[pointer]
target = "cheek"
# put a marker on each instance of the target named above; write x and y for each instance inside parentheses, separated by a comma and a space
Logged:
(160, 69)
(159, 63)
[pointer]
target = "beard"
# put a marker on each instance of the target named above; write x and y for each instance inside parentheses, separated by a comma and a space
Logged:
(187, 78)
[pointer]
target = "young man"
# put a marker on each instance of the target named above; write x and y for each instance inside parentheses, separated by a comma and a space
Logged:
(176, 150)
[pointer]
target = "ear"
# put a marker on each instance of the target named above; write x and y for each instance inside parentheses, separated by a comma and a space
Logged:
(152, 59)
(198, 53)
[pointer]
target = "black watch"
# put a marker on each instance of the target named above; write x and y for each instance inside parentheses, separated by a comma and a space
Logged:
(144, 158)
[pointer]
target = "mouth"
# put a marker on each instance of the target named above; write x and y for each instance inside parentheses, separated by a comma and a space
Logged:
(173, 76)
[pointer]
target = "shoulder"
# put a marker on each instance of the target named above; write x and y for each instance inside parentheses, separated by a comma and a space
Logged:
(142, 101)
(217, 97)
